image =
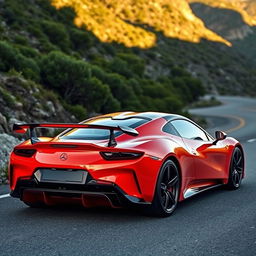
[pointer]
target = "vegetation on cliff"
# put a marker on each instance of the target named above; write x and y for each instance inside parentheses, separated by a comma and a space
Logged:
(43, 45)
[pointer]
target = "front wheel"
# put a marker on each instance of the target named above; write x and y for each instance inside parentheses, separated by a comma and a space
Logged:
(167, 190)
(236, 169)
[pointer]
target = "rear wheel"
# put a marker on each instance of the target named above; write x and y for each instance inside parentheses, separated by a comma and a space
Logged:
(236, 169)
(167, 190)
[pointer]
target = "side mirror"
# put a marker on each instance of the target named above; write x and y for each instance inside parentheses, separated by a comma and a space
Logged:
(219, 135)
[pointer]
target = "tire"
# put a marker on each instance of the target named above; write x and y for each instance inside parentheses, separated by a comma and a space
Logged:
(236, 169)
(167, 191)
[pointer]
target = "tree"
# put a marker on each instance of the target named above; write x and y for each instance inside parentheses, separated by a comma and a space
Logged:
(57, 34)
(65, 74)
(12, 59)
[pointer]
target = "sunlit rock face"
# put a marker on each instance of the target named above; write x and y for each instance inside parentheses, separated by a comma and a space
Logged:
(132, 22)
(247, 8)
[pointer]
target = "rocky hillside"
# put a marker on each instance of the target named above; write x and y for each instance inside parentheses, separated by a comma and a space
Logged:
(24, 101)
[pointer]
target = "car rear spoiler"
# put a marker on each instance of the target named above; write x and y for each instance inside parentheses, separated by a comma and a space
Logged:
(22, 128)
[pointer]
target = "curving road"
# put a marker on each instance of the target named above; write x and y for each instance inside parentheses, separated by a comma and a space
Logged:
(217, 222)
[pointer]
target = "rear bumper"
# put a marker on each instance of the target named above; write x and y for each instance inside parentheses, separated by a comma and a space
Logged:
(88, 195)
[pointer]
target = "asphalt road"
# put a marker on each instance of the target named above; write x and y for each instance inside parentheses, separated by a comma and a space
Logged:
(218, 222)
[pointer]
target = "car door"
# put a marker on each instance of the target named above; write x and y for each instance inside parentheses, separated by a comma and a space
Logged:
(183, 154)
(209, 159)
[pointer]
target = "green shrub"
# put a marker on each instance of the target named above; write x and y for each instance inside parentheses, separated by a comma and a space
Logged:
(12, 12)
(180, 72)
(8, 98)
(81, 40)
(12, 59)
(28, 67)
(57, 34)
(195, 86)
(134, 63)
(182, 89)
(111, 105)
(65, 15)
(77, 110)
(98, 72)
(65, 75)
(97, 59)
(36, 31)
(8, 56)
(135, 85)
(109, 48)
(95, 94)
(173, 104)
(46, 46)
(121, 91)
(19, 39)
(27, 51)
(117, 65)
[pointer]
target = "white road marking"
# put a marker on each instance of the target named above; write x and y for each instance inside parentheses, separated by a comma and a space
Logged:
(251, 140)
(4, 196)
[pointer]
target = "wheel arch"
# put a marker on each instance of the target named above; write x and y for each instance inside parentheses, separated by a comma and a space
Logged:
(232, 148)
(176, 161)
(238, 145)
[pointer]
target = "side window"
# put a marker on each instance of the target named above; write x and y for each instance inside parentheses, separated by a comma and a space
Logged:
(168, 128)
(189, 131)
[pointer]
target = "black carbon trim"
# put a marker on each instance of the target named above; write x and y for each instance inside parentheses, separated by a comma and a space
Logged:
(117, 196)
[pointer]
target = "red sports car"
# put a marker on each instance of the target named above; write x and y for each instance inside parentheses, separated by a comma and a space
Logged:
(149, 159)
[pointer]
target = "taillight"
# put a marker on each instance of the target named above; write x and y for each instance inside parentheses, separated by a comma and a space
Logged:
(24, 152)
(120, 155)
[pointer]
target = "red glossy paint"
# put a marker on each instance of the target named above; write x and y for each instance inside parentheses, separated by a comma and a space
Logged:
(200, 163)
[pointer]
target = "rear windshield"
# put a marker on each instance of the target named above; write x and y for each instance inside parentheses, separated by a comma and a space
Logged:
(99, 134)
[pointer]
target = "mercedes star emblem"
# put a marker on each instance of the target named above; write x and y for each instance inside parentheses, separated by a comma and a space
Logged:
(63, 157)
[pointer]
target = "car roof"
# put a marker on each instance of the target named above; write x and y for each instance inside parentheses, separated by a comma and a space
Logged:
(150, 116)
(143, 115)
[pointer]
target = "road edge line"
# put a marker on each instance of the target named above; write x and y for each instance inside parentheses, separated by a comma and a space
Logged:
(4, 196)
(238, 127)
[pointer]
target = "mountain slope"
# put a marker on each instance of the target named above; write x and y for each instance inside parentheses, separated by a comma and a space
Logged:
(129, 21)
(42, 42)
(43, 45)
(230, 25)
(246, 8)
(174, 19)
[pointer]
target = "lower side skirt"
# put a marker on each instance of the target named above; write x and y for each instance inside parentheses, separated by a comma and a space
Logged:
(196, 190)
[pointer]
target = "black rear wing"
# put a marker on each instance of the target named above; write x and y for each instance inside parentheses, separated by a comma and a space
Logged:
(22, 128)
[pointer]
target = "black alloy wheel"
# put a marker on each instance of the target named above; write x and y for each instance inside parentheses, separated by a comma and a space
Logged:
(236, 169)
(167, 190)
